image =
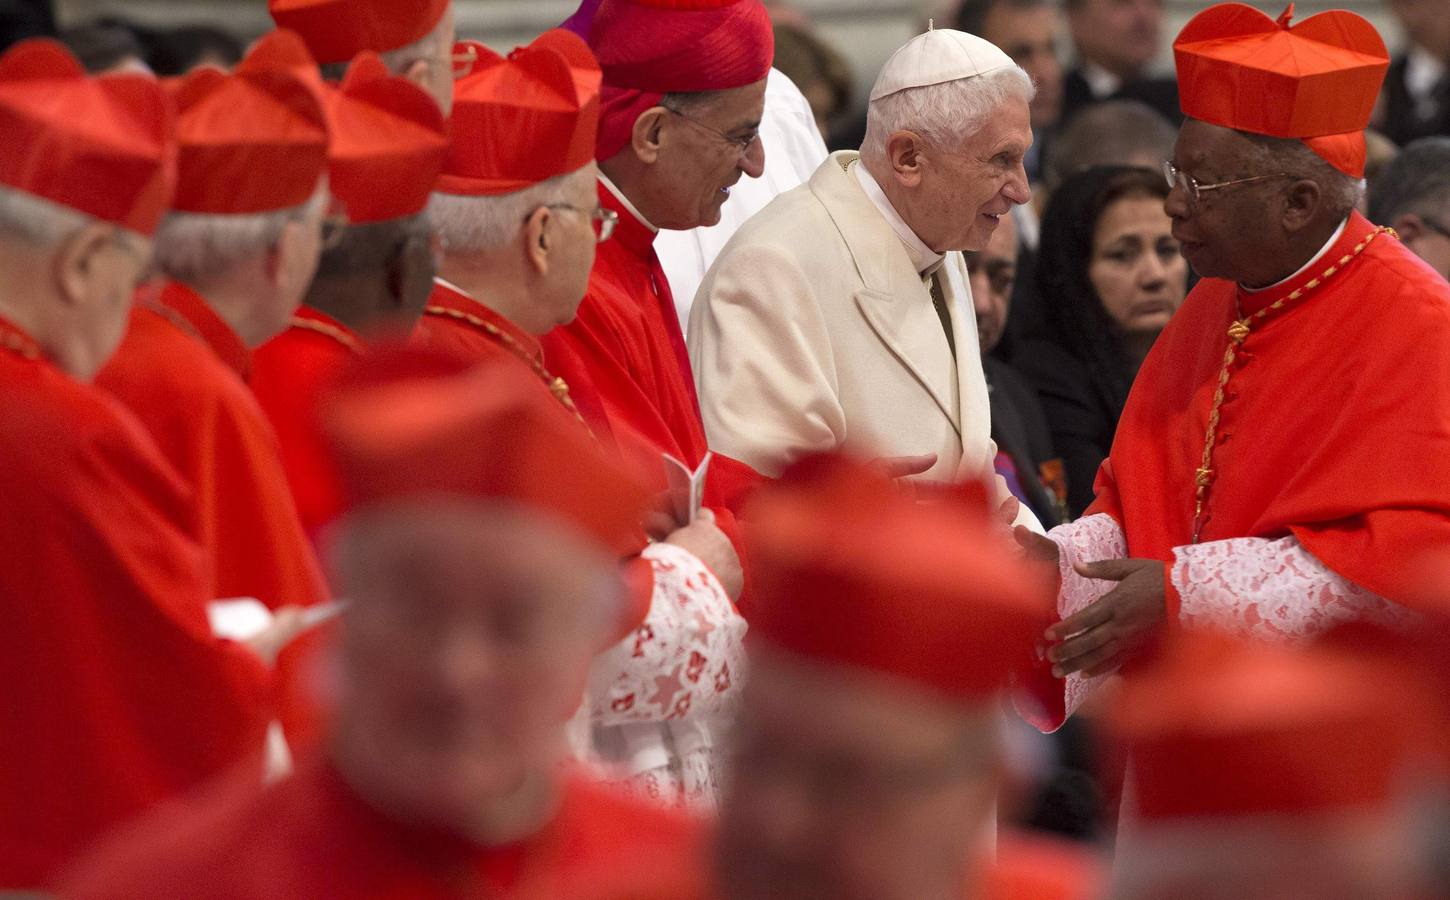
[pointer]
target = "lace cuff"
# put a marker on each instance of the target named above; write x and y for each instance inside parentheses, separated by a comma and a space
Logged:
(1271, 590)
(685, 661)
(1091, 539)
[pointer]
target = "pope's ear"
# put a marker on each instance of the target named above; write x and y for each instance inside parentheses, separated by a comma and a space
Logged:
(537, 240)
(903, 151)
(646, 137)
(77, 266)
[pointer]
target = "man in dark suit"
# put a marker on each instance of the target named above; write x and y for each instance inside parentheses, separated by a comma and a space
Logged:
(1116, 41)
(1025, 458)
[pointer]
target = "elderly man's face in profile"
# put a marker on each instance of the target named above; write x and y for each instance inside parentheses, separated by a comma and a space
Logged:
(966, 189)
(465, 650)
(851, 787)
(1222, 228)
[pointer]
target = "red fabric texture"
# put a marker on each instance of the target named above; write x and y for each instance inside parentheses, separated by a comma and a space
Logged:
(180, 370)
(338, 30)
(849, 571)
(1036, 867)
(102, 146)
(289, 375)
(252, 142)
(412, 421)
(473, 343)
(1317, 80)
(1335, 427)
(121, 697)
(623, 360)
(389, 140)
(525, 119)
(1218, 729)
(312, 835)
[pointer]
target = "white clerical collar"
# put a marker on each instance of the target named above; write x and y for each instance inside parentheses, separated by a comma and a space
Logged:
(1333, 239)
(922, 256)
(1100, 81)
(624, 201)
(444, 282)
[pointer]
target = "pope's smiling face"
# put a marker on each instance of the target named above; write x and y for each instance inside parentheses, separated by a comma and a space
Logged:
(954, 194)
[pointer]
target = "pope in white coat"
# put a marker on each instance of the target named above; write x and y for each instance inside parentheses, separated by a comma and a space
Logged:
(840, 316)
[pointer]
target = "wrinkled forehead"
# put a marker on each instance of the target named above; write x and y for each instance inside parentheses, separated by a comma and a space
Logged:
(1202, 147)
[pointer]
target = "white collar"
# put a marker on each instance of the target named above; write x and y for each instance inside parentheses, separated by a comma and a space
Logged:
(1333, 239)
(922, 256)
(1100, 81)
(444, 282)
(624, 201)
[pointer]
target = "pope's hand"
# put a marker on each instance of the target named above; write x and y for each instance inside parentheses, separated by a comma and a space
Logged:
(287, 623)
(1099, 639)
(903, 466)
(708, 543)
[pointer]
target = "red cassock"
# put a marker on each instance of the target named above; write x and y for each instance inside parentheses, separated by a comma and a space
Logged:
(312, 836)
(625, 361)
(181, 370)
(118, 695)
(459, 325)
(289, 373)
(1334, 426)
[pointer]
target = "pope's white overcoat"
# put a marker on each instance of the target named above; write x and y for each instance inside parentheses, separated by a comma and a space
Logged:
(813, 331)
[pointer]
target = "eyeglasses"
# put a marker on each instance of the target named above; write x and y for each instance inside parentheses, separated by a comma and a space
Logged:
(603, 220)
(461, 60)
(1195, 190)
(334, 228)
(742, 144)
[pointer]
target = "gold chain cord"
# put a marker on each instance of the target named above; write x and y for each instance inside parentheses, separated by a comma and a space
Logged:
(337, 334)
(1238, 332)
(557, 386)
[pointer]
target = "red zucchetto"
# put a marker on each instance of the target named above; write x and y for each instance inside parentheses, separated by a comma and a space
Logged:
(101, 146)
(251, 142)
(649, 48)
(338, 30)
(1316, 81)
(525, 119)
(848, 571)
(409, 422)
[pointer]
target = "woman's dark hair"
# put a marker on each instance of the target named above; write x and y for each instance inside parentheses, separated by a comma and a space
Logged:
(1073, 316)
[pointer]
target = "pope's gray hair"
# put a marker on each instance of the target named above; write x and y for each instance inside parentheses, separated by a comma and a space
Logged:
(192, 247)
(1272, 156)
(36, 220)
(944, 114)
(467, 224)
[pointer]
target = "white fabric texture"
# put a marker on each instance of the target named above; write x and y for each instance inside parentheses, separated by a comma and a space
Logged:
(658, 699)
(1090, 539)
(1271, 590)
(793, 150)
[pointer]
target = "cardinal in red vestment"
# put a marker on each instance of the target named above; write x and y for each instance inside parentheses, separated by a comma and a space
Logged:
(118, 696)
(1270, 771)
(480, 552)
(868, 756)
(667, 159)
(238, 251)
(1285, 451)
(513, 210)
(389, 141)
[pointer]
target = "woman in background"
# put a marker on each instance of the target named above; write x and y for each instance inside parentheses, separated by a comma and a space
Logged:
(1110, 276)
